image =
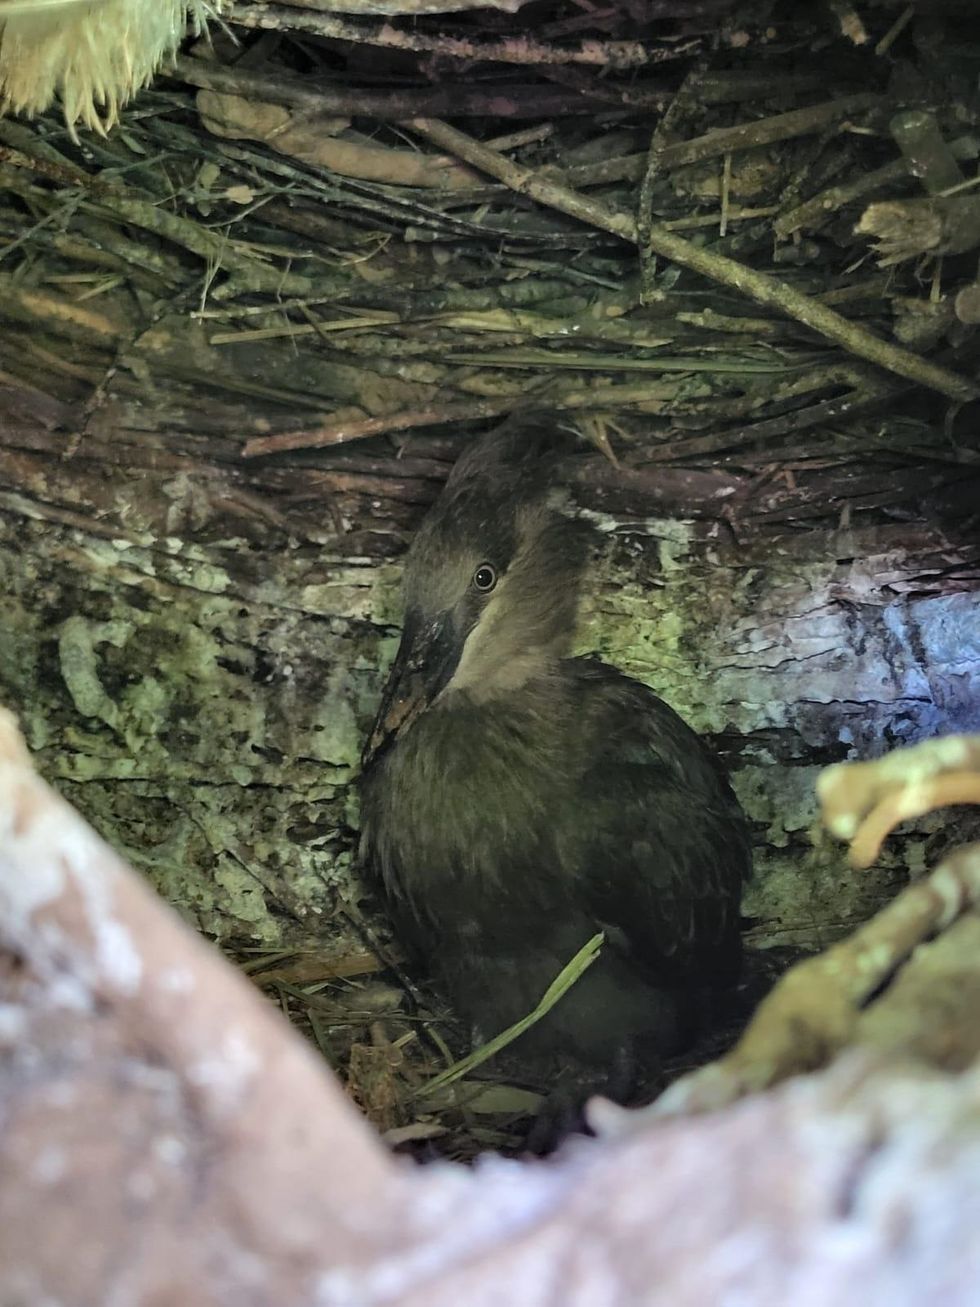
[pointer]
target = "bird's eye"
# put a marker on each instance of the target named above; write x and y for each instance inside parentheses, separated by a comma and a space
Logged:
(485, 578)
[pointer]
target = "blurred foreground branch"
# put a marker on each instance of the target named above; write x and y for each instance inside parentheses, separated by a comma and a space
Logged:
(220, 1163)
(819, 1007)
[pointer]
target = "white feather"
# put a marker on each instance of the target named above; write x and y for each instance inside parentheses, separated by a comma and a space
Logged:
(93, 55)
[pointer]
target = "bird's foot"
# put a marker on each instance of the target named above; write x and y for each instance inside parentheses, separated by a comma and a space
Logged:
(563, 1113)
(561, 1116)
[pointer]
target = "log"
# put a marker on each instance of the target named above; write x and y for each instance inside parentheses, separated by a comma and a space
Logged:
(196, 648)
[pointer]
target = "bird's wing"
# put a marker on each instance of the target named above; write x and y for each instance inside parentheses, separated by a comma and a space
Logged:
(659, 848)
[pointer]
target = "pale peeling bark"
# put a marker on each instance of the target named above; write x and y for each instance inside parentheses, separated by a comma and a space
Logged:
(175, 1141)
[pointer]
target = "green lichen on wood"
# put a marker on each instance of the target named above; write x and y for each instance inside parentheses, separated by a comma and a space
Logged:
(205, 708)
(209, 730)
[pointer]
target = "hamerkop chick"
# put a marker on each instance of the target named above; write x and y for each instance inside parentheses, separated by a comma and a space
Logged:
(516, 800)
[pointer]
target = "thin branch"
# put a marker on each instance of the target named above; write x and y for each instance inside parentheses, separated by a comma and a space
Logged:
(712, 145)
(523, 49)
(342, 433)
(503, 101)
(757, 286)
(820, 208)
(767, 131)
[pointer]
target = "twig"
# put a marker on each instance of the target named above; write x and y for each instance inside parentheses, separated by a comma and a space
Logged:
(654, 166)
(57, 217)
(292, 329)
(341, 433)
(758, 286)
(763, 131)
(64, 174)
(895, 31)
(214, 247)
(606, 55)
(503, 101)
(861, 396)
(42, 311)
(819, 209)
(767, 131)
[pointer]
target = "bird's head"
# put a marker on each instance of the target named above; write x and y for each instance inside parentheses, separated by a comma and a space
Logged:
(491, 583)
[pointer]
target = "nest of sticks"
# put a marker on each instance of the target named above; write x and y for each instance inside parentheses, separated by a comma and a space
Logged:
(741, 228)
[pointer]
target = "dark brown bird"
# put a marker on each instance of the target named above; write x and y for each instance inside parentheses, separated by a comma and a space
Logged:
(516, 800)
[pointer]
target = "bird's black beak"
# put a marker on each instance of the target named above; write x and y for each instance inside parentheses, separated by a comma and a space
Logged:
(426, 659)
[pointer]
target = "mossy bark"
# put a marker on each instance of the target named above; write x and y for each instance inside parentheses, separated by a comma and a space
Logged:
(201, 697)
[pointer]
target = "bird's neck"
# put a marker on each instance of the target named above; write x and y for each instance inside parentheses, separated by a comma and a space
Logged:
(512, 732)
(485, 682)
